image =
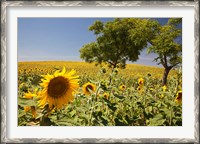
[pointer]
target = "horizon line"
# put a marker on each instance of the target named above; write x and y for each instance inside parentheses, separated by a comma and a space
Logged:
(87, 62)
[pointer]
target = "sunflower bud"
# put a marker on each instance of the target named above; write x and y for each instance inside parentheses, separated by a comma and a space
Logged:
(104, 85)
(149, 74)
(115, 71)
(103, 70)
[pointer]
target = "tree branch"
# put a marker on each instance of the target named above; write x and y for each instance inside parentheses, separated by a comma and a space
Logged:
(165, 61)
(174, 64)
(110, 62)
(162, 62)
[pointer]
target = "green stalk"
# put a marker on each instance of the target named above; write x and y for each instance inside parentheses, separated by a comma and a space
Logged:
(171, 108)
(131, 106)
(93, 102)
(170, 119)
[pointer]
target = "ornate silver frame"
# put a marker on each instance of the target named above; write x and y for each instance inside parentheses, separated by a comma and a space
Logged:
(5, 4)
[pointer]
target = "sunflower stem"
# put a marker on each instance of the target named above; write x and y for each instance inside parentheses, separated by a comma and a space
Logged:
(170, 120)
(93, 102)
(171, 108)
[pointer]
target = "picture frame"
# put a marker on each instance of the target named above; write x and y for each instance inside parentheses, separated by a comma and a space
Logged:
(5, 88)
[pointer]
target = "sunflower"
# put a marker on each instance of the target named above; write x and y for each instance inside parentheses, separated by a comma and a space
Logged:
(140, 81)
(116, 71)
(58, 88)
(106, 95)
(27, 108)
(151, 89)
(162, 96)
(140, 89)
(164, 88)
(122, 87)
(88, 88)
(178, 98)
(30, 95)
(103, 70)
(149, 74)
(33, 111)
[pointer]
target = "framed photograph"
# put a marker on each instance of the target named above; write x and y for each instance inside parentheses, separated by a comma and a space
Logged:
(100, 71)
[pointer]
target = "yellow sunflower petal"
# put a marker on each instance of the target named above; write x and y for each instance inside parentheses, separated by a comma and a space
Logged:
(63, 71)
(58, 88)
(42, 102)
(56, 73)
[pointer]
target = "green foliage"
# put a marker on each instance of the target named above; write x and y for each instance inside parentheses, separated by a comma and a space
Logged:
(26, 102)
(127, 107)
(166, 43)
(118, 41)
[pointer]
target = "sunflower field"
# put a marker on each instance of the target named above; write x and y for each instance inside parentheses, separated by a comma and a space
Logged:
(82, 94)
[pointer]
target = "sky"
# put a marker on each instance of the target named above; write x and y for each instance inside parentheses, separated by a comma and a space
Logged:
(59, 39)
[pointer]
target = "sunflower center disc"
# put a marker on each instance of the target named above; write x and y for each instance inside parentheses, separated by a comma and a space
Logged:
(179, 96)
(57, 87)
(89, 87)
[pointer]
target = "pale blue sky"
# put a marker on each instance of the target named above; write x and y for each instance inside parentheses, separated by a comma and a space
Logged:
(59, 39)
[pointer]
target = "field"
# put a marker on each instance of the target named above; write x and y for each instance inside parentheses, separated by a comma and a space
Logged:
(97, 95)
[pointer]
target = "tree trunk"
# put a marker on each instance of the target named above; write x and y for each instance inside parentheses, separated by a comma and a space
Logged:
(166, 72)
(110, 79)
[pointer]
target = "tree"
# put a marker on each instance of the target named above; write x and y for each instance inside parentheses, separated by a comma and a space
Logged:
(167, 45)
(118, 41)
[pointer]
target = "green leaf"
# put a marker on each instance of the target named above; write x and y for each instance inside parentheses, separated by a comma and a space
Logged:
(157, 120)
(81, 109)
(86, 117)
(22, 113)
(167, 112)
(112, 107)
(53, 117)
(107, 101)
(98, 104)
(150, 108)
(104, 120)
(26, 102)
(72, 113)
(67, 122)
(120, 122)
(92, 81)
(120, 97)
(124, 120)
(140, 105)
(63, 123)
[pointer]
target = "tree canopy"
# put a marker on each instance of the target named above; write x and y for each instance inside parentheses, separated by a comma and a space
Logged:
(123, 39)
(167, 45)
(118, 41)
